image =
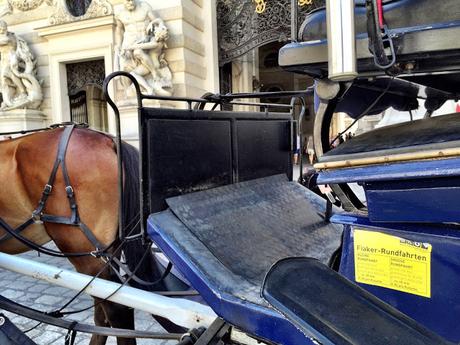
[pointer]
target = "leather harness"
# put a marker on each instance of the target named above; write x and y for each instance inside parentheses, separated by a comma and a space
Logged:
(38, 216)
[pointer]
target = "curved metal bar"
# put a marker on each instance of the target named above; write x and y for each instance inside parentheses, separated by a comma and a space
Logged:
(323, 119)
(113, 75)
(301, 116)
(308, 91)
(174, 98)
(263, 105)
(202, 105)
(112, 104)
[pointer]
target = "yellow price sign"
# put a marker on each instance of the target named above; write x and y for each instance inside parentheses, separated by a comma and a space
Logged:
(392, 262)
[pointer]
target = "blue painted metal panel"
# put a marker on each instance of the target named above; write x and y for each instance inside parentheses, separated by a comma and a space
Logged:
(440, 312)
(249, 317)
(424, 191)
(435, 205)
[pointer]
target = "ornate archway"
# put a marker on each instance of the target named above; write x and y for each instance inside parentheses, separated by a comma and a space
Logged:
(240, 28)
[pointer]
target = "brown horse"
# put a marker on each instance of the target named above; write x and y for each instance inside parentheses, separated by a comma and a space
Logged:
(91, 160)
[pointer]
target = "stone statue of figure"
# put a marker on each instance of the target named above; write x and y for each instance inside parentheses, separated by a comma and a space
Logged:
(18, 85)
(140, 43)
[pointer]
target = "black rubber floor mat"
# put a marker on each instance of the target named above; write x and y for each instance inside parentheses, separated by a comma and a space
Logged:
(251, 225)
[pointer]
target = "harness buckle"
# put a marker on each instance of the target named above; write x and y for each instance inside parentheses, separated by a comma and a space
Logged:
(98, 254)
(37, 217)
(104, 259)
(47, 190)
(69, 191)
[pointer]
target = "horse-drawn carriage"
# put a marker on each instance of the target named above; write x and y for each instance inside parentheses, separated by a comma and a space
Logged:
(272, 261)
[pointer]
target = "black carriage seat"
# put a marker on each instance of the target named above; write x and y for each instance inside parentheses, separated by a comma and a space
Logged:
(429, 138)
(424, 33)
(336, 310)
(225, 239)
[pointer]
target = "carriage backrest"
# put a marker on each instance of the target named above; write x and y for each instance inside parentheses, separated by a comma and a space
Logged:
(183, 151)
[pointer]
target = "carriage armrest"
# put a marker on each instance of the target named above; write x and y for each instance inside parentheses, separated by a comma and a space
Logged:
(330, 308)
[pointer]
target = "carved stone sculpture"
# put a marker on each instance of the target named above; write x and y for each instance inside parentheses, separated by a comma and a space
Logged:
(140, 43)
(65, 11)
(64, 14)
(22, 5)
(18, 83)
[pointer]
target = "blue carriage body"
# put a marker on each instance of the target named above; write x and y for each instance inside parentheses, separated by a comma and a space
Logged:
(386, 270)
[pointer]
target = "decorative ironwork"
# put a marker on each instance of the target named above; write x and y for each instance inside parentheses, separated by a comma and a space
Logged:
(241, 29)
(84, 73)
(260, 4)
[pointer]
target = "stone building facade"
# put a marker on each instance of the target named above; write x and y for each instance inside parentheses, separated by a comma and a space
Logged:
(210, 46)
(74, 46)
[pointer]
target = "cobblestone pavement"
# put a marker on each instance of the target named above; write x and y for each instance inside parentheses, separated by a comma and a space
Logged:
(46, 297)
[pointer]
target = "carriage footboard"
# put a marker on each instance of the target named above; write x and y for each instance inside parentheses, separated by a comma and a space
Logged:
(225, 239)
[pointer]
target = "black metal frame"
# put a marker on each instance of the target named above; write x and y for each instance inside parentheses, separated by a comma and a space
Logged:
(194, 106)
(13, 307)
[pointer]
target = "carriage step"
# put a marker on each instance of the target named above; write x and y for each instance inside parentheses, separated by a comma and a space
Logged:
(225, 239)
(333, 310)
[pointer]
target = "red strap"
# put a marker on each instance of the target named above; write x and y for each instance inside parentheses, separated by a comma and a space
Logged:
(380, 12)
